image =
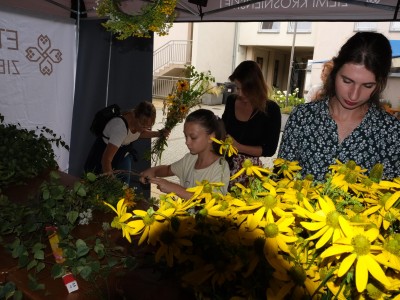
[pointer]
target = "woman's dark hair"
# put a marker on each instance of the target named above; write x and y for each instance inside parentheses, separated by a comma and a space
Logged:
(370, 49)
(145, 111)
(249, 74)
(210, 122)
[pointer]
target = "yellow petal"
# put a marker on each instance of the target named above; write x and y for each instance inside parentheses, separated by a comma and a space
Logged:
(361, 273)
(318, 233)
(237, 174)
(376, 271)
(345, 225)
(336, 249)
(392, 200)
(346, 264)
(112, 207)
(325, 238)
(313, 226)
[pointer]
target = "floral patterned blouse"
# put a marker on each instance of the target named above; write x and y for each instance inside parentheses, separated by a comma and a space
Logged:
(311, 138)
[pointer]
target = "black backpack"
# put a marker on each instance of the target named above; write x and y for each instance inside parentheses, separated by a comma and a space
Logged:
(103, 116)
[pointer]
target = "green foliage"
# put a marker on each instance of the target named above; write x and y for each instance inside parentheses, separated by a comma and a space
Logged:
(25, 153)
(91, 256)
(292, 100)
(8, 290)
(157, 16)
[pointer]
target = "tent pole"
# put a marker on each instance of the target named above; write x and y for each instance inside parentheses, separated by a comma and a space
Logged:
(291, 63)
(108, 70)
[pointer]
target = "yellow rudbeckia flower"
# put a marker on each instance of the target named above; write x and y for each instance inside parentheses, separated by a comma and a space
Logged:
(122, 216)
(149, 224)
(327, 222)
(358, 248)
(250, 170)
(226, 147)
(286, 167)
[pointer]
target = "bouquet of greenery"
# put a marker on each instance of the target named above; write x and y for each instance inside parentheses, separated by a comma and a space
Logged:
(185, 94)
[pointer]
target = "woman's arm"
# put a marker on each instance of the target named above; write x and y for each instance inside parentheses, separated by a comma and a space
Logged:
(107, 158)
(153, 134)
(246, 149)
(273, 132)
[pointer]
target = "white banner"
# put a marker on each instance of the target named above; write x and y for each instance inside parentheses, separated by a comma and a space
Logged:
(37, 65)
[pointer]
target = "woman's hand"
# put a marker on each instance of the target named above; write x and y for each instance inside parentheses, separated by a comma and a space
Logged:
(164, 132)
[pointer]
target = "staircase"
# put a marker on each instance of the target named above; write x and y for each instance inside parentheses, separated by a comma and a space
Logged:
(168, 65)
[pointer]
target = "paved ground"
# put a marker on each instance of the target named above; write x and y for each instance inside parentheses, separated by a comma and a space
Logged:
(176, 143)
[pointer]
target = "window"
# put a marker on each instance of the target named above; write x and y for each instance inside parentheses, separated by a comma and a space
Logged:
(365, 26)
(394, 26)
(301, 26)
(269, 27)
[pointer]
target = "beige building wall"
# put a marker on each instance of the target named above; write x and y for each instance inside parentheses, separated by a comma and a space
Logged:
(220, 47)
(179, 31)
(213, 48)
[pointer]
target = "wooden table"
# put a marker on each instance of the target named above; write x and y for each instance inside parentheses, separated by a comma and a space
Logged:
(140, 284)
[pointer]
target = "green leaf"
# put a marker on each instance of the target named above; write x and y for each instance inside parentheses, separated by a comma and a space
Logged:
(91, 177)
(99, 249)
(23, 260)
(81, 248)
(32, 264)
(33, 284)
(38, 246)
(40, 267)
(57, 271)
(38, 254)
(72, 216)
(80, 189)
(85, 272)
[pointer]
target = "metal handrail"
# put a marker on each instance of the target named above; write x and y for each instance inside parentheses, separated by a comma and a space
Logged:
(162, 85)
(173, 52)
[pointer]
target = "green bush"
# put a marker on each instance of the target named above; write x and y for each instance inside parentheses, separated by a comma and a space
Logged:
(287, 105)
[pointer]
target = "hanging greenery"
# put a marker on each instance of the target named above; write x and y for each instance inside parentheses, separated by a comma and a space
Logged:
(157, 16)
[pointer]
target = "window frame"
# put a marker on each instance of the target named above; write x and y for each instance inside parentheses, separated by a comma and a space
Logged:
(272, 30)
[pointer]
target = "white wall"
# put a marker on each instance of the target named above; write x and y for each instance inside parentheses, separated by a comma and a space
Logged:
(213, 48)
(179, 31)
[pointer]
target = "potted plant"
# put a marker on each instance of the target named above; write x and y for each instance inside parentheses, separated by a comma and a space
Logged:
(26, 154)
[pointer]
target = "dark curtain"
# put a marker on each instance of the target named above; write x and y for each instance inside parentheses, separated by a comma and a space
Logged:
(130, 81)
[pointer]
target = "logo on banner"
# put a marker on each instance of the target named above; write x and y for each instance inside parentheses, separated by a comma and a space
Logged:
(44, 55)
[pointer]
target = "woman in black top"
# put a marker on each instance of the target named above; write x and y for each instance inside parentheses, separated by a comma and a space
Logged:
(251, 119)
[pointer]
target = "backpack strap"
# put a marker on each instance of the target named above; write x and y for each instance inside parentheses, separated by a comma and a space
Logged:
(126, 125)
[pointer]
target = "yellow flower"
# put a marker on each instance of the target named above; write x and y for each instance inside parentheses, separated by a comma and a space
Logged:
(121, 218)
(287, 168)
(173, 241)
(213, 209)
(273, 232)
(384, 206)
(250, 169)
(219, 273)
(327, 221)
(149, 223)
(390, 255)
(226, 146)
(290, 278)
(347, 176)
(182, 85)
(358, 245)
(180, 205)
(204, 187)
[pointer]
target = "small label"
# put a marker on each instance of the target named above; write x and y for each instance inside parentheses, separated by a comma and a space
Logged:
(54, 240)
(70, 283)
